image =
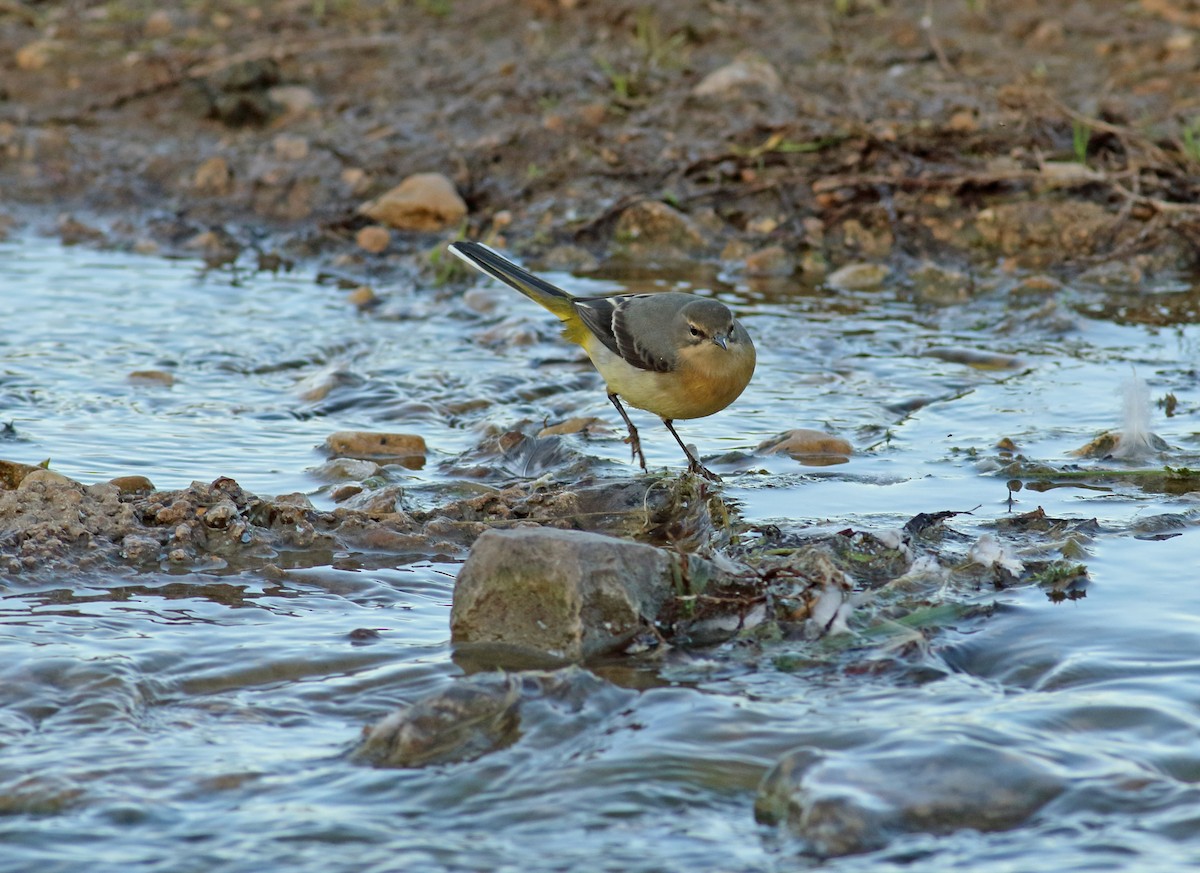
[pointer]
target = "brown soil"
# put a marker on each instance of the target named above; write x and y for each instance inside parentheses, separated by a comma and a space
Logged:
(1034, 134)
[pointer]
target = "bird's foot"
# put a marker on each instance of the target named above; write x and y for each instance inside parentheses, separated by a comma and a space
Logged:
(635, 448)
(698, 469)
(635, 442)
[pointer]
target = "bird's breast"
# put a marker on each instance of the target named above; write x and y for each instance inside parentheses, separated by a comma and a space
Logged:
(704, 380)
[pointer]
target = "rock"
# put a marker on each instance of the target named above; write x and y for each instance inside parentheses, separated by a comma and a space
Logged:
(213, 177)
(342, 493)
(568, 258)
(363, 297)
(289, 147)
(248, 75)
(933, 283)
(369, 446)
(295, 100)
(857, 800)
(570, 594)
(1037, 285)
(763, 225)
(131, 484)
(812, 447)
(141, 549)
(963, 121)
(481, 713)
(315, 387)
(72, 231)
(373, 238)
(571, 425)
(355, 181)
(217, 246)
(343, 469)
(858, 277)
(425, 201)
(744, 74)
(1114, 444)
(380, 503)
(237, 94)
(158, 24)
(152, 377)
(975, 358)
(38, 54)
(484, 299)
(12, 472)
(1041, 232)
(867, 242)
(770, 261)
(42, 476)
(593, 114)
(469, 718)
(653, 225)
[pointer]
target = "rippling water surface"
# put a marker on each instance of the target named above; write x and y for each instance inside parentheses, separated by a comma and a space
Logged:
(201, 722)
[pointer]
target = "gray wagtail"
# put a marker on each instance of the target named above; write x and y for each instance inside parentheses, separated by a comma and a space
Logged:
(674, 354)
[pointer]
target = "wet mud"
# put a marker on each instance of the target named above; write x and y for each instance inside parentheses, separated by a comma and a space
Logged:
(775, 139)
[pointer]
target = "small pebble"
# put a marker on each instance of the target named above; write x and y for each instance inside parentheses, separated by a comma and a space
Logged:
(373, 238)
(370, 445)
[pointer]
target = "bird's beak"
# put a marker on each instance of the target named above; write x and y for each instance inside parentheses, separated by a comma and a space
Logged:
(721, 340)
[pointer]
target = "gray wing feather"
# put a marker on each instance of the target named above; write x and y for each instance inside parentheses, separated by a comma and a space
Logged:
(597, 315)
(634, 349)
(609, 319)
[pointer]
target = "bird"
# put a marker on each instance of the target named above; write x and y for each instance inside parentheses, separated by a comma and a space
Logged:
(676, 355)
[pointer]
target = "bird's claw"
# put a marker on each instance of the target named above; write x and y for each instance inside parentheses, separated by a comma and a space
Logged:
(635, 449)
(698, 469)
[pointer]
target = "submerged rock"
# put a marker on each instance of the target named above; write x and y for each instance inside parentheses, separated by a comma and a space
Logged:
(484, 713)
(578, 424)
(812, 447)
(462, 722)
(980, 360)
(842, 803)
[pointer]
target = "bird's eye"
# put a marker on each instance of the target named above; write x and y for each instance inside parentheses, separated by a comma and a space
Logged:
(695, 330)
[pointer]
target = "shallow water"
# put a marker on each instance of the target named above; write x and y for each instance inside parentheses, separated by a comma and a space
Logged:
(201, 722)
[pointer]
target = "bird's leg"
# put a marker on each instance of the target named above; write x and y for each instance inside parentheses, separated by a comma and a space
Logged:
(635, 442)
(694, 465)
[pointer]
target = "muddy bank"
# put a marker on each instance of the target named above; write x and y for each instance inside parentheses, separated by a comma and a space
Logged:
(776, 139)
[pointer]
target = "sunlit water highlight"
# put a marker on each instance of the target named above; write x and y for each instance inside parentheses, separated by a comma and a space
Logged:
(200, 722)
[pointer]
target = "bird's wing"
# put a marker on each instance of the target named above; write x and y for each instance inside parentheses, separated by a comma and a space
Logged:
(610, 320)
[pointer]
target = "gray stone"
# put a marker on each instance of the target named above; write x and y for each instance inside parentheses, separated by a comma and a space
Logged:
(842, 803)
(462, 722)
(570, 594)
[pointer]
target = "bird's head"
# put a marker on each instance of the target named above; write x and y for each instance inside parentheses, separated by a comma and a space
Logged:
(705, 321)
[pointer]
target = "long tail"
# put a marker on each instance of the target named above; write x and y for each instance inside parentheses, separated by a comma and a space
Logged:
(538, 290)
